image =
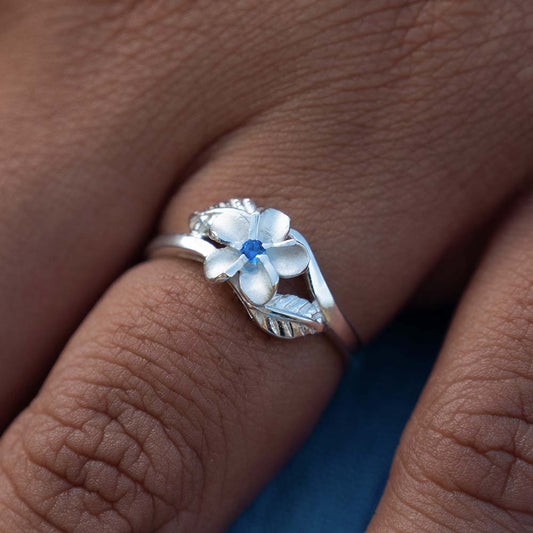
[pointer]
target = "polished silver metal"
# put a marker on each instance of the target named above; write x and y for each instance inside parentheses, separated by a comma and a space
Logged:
(252, 248)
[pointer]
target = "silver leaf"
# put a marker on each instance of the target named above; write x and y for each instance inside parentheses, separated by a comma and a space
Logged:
(244, 204)
(199, 221)
(289, 316)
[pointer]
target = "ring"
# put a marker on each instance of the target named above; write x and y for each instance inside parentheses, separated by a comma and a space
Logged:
(252, 248)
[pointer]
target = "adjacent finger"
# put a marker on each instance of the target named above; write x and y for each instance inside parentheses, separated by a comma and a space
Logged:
(465, 461)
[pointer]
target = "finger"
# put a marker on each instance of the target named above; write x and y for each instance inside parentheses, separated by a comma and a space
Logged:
(167, 363)
(465, 461)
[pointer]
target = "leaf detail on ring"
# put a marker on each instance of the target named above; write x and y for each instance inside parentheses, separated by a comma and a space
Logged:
(199, 221)
(244, 204)
(289, 316)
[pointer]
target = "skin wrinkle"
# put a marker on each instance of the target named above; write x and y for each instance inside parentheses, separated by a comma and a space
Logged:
(218, 344)
(437, 500)
(154, 383)
(78, 478)
(480, 430)
(491, 457)
(22, 519)
(411, 504)
(459, 389)
(455, 492)
(138, 480)
(34, 510)
(142, 409)
(72, 488)
(147, 357)
(136, 407)
(448, 428)
(461, 510)
(85, 406)
(270, 53)
(477, 354)
(93, 459)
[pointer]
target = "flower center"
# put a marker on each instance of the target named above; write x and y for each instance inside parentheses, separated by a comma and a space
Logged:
(251, 249)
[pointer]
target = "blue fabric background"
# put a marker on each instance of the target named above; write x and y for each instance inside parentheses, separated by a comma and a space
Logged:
(334, 482)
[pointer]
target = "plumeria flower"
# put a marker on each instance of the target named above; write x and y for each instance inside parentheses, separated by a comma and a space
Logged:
(256, 249)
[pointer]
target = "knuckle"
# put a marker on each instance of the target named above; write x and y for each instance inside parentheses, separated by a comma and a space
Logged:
(84, 465)
(473, 448)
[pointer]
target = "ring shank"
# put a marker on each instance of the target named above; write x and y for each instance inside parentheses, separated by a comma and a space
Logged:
(187, 246)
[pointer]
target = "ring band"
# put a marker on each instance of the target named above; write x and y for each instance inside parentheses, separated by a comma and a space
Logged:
(252, 248)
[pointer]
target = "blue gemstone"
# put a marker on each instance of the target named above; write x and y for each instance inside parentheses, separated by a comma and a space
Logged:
(251, 249)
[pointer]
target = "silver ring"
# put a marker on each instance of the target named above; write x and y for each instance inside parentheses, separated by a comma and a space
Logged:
(252, 248)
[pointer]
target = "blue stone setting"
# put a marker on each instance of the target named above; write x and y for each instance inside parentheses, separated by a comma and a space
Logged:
(251, 249)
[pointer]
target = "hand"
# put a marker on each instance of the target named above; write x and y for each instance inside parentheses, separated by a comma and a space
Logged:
(394, 133)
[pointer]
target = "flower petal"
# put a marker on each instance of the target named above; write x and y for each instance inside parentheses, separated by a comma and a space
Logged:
(230, 227)
(289, 258)
(220, 265)
(254, 225)
(256, 284)
(273, 226)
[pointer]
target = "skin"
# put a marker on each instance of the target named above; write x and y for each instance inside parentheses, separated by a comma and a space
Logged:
(397, 135)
